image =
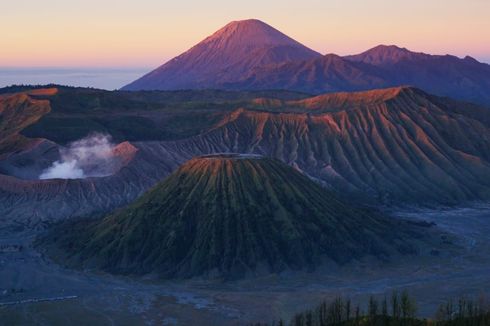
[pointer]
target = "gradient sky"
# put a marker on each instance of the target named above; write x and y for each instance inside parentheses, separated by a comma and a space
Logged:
(146, 33)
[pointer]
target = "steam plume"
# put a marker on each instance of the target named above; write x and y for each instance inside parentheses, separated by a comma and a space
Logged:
(91, 156)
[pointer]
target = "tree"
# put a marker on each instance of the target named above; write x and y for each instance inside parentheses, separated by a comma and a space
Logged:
(384, 307)
(347, 309)
(298, 320)
(408, 306)
(395, 305)
(309, 319)
(373, 306)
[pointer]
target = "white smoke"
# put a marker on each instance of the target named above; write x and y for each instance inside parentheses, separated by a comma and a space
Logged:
(91, 156)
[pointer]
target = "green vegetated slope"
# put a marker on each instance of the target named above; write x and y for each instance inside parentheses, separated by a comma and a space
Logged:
(137, 116)
(230, 216)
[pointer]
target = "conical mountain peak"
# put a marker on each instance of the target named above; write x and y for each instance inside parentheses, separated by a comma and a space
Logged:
(225, 56)
(250, 33)
(233, 215)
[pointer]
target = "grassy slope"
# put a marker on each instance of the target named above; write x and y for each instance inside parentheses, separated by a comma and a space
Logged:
(231, 216)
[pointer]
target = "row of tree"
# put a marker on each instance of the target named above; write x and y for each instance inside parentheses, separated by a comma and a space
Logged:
(465, 311)
(397, 310)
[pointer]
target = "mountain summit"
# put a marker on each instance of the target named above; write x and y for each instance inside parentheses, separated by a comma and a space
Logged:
(386, 54)
(225, 56)
(251, 55)
(233, 215)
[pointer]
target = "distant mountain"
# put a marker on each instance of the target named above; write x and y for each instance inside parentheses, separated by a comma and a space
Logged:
(233, 215)
(329, 73)
(387, 54)
(225, 57)
(251, 55)
(444, 75)
(380, 67)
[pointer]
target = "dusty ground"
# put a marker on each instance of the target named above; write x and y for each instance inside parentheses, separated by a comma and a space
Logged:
(34, 291)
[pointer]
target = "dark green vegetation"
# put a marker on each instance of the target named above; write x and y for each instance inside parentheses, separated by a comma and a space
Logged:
(232, 216)
(397, 310)
(136, 116)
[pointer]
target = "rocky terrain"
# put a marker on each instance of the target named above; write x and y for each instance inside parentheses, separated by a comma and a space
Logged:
(389, 146)
(397, 144)
(18, 111)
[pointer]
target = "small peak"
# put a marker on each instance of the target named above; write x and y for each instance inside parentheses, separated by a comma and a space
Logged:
(250, 32)
(348, 100)
(244, 22)
(470, 59)
(385, 54)
(390, 48)
(332, 56)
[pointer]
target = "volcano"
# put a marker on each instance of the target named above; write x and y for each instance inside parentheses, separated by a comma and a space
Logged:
(224, 57)
(397, 146)
(251, 55)
(232, 215)
(445, 75)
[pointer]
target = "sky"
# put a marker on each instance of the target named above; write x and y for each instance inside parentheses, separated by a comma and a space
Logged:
(146, 33)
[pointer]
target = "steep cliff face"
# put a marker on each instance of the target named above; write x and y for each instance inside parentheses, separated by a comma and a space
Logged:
(395, 145)
(17, 111)
(229, 216)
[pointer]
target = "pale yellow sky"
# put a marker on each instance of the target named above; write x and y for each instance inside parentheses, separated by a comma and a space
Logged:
(146, 33)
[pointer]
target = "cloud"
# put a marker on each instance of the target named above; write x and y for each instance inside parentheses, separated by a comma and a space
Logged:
(91, 156)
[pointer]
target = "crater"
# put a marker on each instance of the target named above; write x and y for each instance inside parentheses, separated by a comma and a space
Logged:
(92, 156)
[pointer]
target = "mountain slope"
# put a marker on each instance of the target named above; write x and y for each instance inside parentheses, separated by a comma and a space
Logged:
(386, 54)
(444, 75)
(225, 56)
(232, 215)
(393, 145)
(17, 111)
(380, 67)
(397, 146)
(329, 73)
(251, 55)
